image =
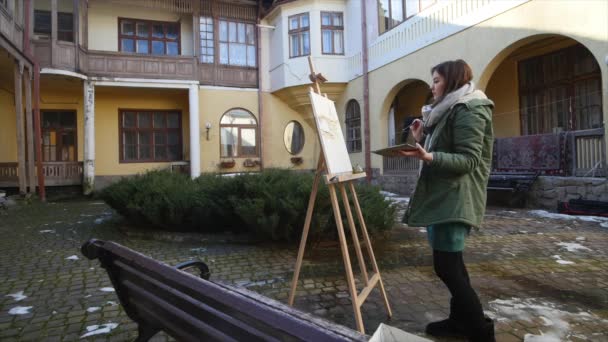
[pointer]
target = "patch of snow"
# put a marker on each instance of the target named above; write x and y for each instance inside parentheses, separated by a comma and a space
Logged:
(199, 250)
(93, 309)
(72, 257)
(399, 199)
(572, 246)
(46, 231)
(111, 303)
(96, 203)
(546, 214)
(541, 338)
(99, 329)
(107, 289)
(604, 224)
(20, 310)
(556, 321)
(87, 296)
(422, 230)
(54, 312)
(18, 296)
(559, 260)
(580, 238)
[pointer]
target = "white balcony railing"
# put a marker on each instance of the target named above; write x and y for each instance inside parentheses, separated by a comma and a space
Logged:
(439, 21)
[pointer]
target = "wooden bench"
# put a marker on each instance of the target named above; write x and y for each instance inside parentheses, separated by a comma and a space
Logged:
(516, 183)
(160, 297)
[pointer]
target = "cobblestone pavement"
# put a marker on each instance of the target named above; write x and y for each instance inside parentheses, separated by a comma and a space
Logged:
(535, 275)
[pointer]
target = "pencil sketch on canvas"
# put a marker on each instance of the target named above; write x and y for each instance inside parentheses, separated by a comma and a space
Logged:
(330, 134)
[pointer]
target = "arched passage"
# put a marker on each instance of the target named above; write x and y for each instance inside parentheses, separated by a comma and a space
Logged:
(544, 84)
(547, 91)
(403, 104)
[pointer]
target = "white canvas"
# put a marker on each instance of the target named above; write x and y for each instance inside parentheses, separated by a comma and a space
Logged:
(330, 134)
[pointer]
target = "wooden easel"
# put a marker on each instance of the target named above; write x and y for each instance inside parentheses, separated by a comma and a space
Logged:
(341, 182)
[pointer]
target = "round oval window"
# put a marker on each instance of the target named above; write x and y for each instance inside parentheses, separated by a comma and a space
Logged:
(294, 137)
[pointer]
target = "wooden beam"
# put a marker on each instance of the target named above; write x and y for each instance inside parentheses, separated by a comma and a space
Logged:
(371, 284)
(29, 128)
(20, 127)
(331, 179)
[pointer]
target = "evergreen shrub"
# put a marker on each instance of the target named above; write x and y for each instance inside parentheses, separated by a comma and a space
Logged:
(270, 205)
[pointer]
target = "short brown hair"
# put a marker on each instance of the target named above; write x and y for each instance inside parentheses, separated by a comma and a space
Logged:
(456, 73)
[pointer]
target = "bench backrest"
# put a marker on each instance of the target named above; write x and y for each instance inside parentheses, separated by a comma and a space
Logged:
(520, 181)
(188, 308)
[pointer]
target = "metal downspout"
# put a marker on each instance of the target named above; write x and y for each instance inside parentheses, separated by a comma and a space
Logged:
(366, 130)
(260, 104)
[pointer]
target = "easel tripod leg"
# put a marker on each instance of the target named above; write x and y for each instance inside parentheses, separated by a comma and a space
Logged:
(347, 265)
(370, 250)
(353, 233)
(309, 211)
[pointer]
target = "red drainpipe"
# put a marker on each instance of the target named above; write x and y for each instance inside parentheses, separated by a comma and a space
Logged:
(35, 101)
(366, 132)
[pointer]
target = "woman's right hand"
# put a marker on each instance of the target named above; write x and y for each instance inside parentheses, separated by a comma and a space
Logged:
(416, 128)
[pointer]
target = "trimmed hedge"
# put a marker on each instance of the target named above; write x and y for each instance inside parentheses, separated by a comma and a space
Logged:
(271, 204)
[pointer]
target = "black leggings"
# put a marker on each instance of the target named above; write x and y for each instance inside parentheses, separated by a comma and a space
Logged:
(465, 307)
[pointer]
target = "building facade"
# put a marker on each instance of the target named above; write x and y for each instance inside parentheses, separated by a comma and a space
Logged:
(120, 87)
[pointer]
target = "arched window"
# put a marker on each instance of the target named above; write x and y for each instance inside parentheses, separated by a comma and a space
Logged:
(238, 134)
(353, 126)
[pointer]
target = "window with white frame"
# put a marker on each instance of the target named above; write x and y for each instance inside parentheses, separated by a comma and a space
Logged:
(207, 41)
(332, 33)
(237, 43)
(299, 35)
(393, 12)
(238, 134)
(353, 126)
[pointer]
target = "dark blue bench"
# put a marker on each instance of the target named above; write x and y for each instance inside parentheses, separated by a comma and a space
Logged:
(515, 184)
(189, 308)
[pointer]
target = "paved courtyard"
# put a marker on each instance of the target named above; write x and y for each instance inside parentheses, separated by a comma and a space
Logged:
(536, 275)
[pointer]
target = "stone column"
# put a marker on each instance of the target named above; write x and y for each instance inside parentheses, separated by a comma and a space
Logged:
(195, 141)
(20, 127)
(89, 138)
(29, 127)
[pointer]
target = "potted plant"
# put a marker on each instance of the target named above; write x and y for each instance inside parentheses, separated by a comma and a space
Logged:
(297, 160)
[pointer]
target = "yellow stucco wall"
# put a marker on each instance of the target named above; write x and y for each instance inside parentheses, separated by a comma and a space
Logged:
(108, 101)
(64, 94)
(103, 24)
(353, 91)
(8, 130)
(213, 103)
(503, 89)
(277, 115)
(486, 45)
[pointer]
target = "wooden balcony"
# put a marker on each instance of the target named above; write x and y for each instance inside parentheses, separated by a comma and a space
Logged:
(118, 64)
(55, 174)
(227, 76)
(11, 27)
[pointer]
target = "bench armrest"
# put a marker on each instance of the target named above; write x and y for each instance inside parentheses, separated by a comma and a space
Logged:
(202, 267)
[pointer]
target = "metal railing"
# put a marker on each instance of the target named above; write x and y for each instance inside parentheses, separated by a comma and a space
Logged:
(588, 153)
(55, 173)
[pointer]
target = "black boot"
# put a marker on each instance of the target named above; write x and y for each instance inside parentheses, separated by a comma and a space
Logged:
(445, 328)
(485, 333)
